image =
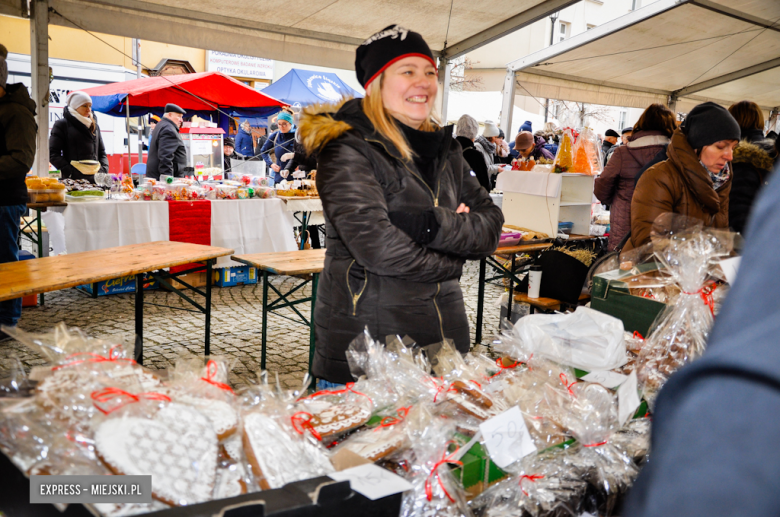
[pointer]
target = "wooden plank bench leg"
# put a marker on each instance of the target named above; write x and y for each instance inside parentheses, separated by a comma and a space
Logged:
(265, 319)
(315, 278)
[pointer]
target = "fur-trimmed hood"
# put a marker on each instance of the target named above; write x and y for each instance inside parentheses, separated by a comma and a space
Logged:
(321, 123)
(755, 154)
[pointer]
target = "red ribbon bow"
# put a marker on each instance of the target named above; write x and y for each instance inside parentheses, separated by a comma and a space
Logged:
(92, 357)
(532, 477)
(390, 421)
(596, 444)
(106, 394)
(706, 295)
(348, 387)
(435, 473)
(565, 381)
(637, 335)
(302, 421)
(211, 373)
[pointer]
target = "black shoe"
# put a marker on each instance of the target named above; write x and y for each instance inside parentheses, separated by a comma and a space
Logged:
(4, 336)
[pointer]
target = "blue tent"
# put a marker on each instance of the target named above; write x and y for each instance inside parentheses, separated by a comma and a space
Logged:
(307, 87)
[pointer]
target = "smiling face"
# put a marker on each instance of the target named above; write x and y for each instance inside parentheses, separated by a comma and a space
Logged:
(409, 90)
(715, 156)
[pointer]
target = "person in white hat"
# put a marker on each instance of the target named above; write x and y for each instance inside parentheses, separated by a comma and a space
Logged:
(76, 137)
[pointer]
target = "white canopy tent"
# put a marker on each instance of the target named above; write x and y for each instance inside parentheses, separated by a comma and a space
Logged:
(680, 52)
(316, 32)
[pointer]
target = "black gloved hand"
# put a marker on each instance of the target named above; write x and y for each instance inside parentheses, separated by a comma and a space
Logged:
(421, 226)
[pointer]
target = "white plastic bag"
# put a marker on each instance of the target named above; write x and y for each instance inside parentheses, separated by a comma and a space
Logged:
(586, 339)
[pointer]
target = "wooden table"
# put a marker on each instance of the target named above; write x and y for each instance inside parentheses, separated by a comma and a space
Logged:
(306, 263)
(504, 273)
(35, 234)
(46, 274)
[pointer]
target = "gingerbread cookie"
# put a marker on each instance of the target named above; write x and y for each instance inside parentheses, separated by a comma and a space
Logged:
(278, 458)
(230, 482)
(177, 446)
(339, 418)
(467, 404)
(377, 444)
(474, 392)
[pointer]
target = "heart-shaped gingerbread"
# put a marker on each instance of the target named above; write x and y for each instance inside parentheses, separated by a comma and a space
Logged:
(177, 446)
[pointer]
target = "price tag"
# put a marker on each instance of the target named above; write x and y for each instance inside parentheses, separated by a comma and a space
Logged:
(628, 398)
(607, 379)
(730, 267)
(372, 481)
(507, 438)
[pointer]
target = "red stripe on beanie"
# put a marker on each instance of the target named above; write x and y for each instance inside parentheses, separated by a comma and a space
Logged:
(427, 58)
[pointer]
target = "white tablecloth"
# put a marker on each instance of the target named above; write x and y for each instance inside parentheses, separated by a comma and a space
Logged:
(251, 226)
(305, 205)
(246, 225)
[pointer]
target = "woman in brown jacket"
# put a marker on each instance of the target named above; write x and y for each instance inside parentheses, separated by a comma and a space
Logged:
(696, 178)
(615, 186)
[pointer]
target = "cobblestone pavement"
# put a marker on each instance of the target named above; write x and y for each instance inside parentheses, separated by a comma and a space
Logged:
(236, 322)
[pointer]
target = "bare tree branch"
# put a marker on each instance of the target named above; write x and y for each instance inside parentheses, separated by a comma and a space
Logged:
(458, 80)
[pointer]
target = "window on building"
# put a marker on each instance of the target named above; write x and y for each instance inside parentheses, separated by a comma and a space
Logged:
(564, 31)
(622, 120)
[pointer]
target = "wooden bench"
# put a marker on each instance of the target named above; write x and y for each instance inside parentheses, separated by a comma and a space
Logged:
(548, 304)
(507, 273)
(18, 279)
(305, 264)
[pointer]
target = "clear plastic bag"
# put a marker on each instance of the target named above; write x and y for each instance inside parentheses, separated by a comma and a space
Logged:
(435, 490)
(586, 339)
(679, 334)
(587, 154)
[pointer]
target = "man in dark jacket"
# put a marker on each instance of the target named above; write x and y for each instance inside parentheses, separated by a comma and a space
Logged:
(714, 426)
(18, 131)
(167, 155)
(467, 131)
(610, 138)
(229, 152)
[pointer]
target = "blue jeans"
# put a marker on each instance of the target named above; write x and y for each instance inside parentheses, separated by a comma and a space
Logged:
(10, 219)
(322, 384)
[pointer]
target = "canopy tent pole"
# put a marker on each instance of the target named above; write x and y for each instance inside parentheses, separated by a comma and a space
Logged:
(137, 54)
(508, 104)
(445, 69)
(39, 68)
(127, 118)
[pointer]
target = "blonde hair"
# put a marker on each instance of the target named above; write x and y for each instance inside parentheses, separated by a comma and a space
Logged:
(383, 122)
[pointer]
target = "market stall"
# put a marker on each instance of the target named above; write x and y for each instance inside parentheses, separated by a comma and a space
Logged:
(309, 87)
(244, 225)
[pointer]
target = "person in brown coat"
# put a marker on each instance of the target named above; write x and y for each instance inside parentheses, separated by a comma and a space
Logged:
(615, 186)
(695, 180)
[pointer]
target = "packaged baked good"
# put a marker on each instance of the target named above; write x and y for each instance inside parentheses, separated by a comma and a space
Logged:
(148, 434)
(679, 335)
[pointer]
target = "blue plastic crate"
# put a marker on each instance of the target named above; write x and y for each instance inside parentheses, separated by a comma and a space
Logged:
(121, 285)
(236, 275)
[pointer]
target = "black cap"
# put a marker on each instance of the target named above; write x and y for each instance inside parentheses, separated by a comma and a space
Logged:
(627, 130)
(612, 132)
(708, 123)
(172, 108)
(386, 47)
(229, 142)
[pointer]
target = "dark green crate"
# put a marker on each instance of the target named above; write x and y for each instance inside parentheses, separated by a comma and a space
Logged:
(610, 295)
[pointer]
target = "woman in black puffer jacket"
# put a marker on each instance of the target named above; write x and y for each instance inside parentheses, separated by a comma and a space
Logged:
(402, 211)
(753, 162)
(76, 136)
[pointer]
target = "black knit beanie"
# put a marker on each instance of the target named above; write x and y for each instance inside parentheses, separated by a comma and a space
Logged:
(385, 48)
(708, 123)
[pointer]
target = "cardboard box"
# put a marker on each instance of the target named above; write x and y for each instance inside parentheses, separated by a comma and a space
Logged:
(236, 275)
(194, 279)
(122, 285)
(610, 295)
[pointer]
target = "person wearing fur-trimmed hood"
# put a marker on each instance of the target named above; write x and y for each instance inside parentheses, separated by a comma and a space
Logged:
(753, 161)
(402, 211)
